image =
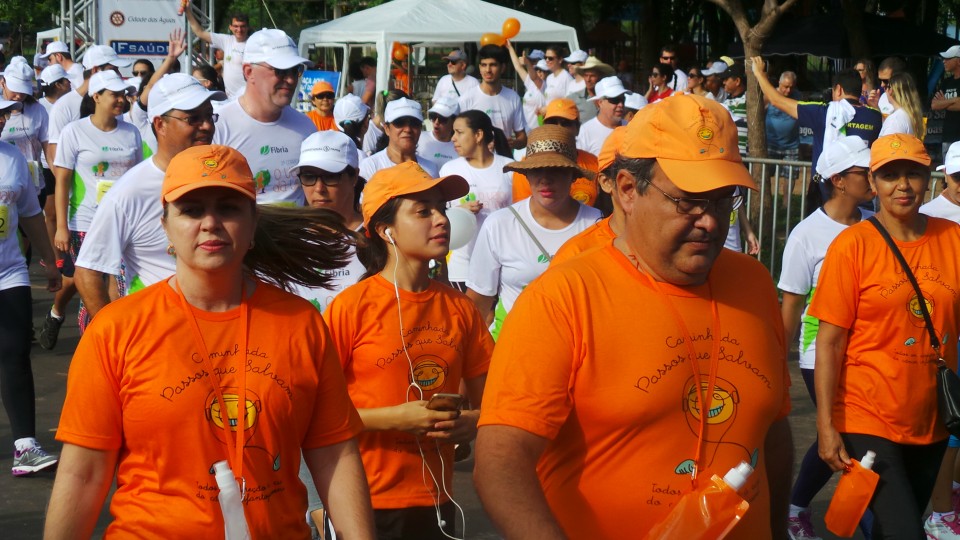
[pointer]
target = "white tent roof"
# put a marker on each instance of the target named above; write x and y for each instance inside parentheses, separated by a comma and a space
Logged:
(436, 22)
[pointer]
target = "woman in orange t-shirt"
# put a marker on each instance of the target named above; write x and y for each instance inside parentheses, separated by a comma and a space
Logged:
(403, 339)
(875, 365)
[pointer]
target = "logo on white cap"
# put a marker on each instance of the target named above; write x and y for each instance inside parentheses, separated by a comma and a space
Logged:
(328, 150)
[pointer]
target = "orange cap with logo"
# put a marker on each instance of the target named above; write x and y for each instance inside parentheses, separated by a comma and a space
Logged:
(611, 146)
(406, 178)
(562, 108)
(321, 87)
(693, 139)
(895, 147)
(207, 166)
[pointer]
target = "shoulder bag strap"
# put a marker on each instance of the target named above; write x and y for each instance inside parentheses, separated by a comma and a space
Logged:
(934, 341)
(530, 233)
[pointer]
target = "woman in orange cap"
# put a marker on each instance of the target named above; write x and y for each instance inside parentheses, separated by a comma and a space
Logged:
(876, 363)
(189, 372)
(322, 97)
(405, 339)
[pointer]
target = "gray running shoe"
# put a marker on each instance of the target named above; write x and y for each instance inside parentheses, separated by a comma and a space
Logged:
(50, 331)
(32, 460)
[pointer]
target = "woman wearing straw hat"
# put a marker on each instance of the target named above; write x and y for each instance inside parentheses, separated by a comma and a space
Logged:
(516, 243)
(190, 372)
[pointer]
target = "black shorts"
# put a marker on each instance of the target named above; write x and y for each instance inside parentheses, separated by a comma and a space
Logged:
(49, 183)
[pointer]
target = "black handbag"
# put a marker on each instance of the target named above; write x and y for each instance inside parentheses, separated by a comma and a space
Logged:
(948, 384)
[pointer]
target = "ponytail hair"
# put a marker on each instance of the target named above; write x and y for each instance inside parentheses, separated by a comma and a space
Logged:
(372, 251)
(501, 144)
(479, 121)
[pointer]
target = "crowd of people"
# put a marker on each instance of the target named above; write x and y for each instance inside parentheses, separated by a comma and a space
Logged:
(278, 291)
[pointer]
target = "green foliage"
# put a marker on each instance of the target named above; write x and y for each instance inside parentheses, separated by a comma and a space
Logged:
(26, 17)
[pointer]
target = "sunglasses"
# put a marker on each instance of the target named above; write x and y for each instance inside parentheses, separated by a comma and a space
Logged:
(296, 71)
(884, 82)
(549, 58)
(616, 100)
(693, 76)
(324, 95)
(406, 122)
(667, 58)
(563, 122)
(327, 179)
(441, 119)
(140, 73)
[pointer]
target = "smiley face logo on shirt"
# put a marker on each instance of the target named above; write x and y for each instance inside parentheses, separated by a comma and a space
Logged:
(913, 307)
(429, 372)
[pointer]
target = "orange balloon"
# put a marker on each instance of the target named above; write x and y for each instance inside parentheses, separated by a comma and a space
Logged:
(491, 38)
(400, 52)
(511, 27)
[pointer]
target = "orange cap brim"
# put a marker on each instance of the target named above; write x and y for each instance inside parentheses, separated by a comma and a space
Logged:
(175, 194)
(706, 175)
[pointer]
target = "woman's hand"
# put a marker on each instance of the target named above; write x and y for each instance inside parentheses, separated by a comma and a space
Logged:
(177, 45)
(473, 206)
(415, 418)
(459, 430)
(831, 448)
(61, 240)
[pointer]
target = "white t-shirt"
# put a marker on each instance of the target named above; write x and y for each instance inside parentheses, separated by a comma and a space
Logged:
(898, 122)
(802, 257)
(576, 86)
(884, 104)
(27, 130)
(370, 139)
(138, 117)
(733, 240)
(343, 278)
(445, 87)
(492, 187)
(98, 159)
(505, 259)
(271, 149)
(18, 197)
(232, 62)
(557, 85)
(941, 207)
(592, 136)
(504, 109)
(75, 75)
(47, 106)
(380, 160)
(679, 82)
(127, 227)
(533, 101)
(65, 110)
(428, 147)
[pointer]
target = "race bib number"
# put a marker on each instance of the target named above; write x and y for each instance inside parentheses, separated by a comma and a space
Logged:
(103, 186)
(35, 173)
(4, 221)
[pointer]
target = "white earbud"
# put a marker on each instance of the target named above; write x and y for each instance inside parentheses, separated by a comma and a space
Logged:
(390, 236)
(443, 523)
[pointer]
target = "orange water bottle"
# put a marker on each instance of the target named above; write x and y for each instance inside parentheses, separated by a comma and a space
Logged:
(852, 497)
(710, 511)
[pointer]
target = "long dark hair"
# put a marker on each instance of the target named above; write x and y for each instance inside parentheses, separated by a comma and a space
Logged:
(479, 121)
(501, 145)
(372, 252)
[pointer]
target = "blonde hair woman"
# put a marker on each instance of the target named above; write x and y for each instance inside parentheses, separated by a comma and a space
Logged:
(908, 114)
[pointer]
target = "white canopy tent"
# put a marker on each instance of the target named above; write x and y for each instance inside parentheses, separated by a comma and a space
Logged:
(427, 22)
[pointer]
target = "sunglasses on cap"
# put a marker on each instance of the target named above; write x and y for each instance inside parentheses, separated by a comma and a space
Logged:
(323, 95)
(406, 122)
(563, 122)
(441, 119)
(295, 71)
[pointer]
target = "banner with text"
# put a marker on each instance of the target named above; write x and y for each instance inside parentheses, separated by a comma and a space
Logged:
(139, 28)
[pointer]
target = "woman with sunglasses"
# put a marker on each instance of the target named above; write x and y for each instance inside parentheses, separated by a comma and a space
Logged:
(534, 83)
(402, 125)
(436, 144)
(658, 89)
(322, 98)
(907, 116)
(558, 80)
(695, 81)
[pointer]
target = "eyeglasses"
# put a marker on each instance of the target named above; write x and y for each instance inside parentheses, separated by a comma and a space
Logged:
(324, 95)
(561, 122)
(195, 120)
(698, 207)
(616, 100)
(693, 75)
(327, 179)
(406, 122)
(141, 73)
(667, 58)
(295, 71)
(435, 118)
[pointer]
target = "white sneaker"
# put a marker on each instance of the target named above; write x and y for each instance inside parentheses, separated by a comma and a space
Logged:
(947, 527)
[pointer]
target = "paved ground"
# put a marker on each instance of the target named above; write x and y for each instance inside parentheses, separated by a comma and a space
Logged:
(23, 500)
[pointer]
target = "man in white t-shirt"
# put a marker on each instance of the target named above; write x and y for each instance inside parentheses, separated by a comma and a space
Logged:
(500, 103)
(58, 54)
(610, 98)
(403, 124)
(668, 55)
(573, 63)
(261, 124)
(126, 226)
(947, 205)
(232, 45)
(437, 144)
(456, 81)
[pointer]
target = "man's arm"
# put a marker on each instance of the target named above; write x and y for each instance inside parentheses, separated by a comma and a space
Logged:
(506, 479)
(483, 302)
(342, 484)
(92, 288)
(83, 479)
(778, 452)
(35, 228)
(778, 100)
(198, 30)
(61, 196)
(519, 140)
(831, 349)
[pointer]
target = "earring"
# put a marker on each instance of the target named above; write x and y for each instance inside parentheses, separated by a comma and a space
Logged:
(251, 244)
(170, 251)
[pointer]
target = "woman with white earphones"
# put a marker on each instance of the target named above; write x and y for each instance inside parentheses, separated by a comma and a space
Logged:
(405, 343)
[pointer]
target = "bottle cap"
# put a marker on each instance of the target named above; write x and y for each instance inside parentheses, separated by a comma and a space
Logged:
(738, 475)
(868, 459)
(221, 467)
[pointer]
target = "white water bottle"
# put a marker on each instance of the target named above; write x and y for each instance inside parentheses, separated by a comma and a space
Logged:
(234, 522)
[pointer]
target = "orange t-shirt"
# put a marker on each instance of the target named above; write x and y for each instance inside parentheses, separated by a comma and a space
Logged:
(591, 238)
(447, 341)
(592, 359)
(582, 189)
(138, 384)
(887, 381)
(323, 123)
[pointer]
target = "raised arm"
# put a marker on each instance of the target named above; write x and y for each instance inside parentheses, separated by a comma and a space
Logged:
(195, 26)
(175, 48)
(517, 63)
(778, 100)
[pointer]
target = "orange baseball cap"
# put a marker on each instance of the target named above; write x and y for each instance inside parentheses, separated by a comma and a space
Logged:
(611, 146)
(207, 166)
(562, 108)
(321, 87)
(897, 146)
(693, 139)
(405, 179)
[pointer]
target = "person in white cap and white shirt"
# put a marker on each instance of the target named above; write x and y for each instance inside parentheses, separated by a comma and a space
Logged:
(402, 124)
(844, 167)
(573, 64)
(610, 98)
(500, 103)
(947, 204)
(946, 102)
(353, 118)
(93, 153)
(592, 71)
(456, 81)
(233, 46)
(631, 104)
(59, 54)
(27, 128)
(436, 144)
(713, 80)
(54, 84)
(533, 77)
(125, 226)
(261, 124)
(558, 80)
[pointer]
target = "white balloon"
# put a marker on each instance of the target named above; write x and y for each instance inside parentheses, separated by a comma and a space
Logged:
(463, 225)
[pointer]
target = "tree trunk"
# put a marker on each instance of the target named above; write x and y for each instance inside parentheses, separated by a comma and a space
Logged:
(853, 21)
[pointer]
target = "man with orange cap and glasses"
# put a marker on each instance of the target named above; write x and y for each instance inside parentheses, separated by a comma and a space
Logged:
(322, 97)
(579, 438)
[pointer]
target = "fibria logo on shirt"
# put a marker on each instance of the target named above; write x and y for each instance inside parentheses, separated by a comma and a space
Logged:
(112, 149)
(267, 149)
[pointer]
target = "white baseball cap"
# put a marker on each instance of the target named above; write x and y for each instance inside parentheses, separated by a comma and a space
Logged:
(840, 155)
(715, 68)
(101, 55)
(576, 57)
(109, 79)
(536, 54)
(19, 60)
(19, 78)
(178, 91)
(329, 150)
(273, 47)
(399, 108)
(135, 82)
(541, 65)
(446, 107)
(609, 87)
(15, 105)
(951, 163)
(952, 52)
(52, 74)
(349, 108)
(634, 101)
(55, 47)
